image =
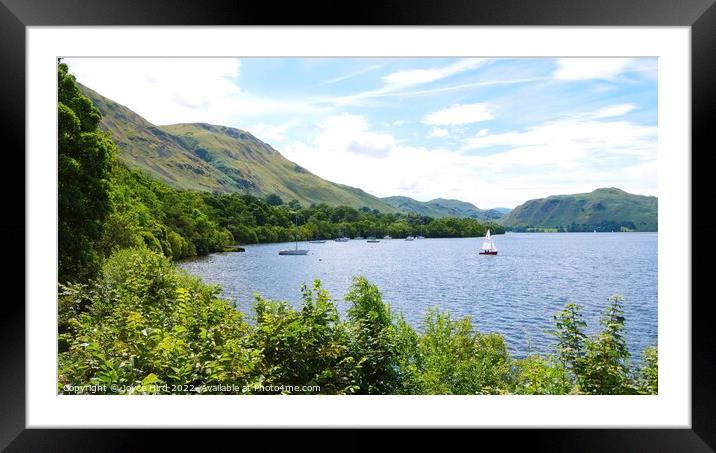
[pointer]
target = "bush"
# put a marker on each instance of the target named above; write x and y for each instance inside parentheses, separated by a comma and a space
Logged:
(147, 323)
(144, 324)
(372, 338)
(306, 347)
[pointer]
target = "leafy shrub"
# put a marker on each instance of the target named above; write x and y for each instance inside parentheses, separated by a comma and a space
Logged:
(304, 347)
(148, 323)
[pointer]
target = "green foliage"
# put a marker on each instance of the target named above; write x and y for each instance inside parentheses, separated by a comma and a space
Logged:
(144, 327)
(537, 375)
(569, 325)
(306, 347)
(372, 338)
(648, 378)
(84, 161)
(441, 207)
(452, 358)
(606, 362)
(182, 224)
(143, 322)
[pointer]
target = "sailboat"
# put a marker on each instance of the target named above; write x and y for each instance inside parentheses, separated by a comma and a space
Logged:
(420, 236)
(296, 251)
(488, 245)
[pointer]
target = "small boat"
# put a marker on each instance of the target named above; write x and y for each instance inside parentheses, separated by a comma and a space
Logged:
(372, 239)
(385, 237)
(488, 245)
(419, 237)
(358, 238)
(296, 251)
(293, 252)
(317, 242)
(409, 238)
(342, 238)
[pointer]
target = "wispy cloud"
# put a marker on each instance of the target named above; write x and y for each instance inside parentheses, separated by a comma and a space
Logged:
(460, 114)
(422, 76)
(590, 68)
(400, 80)
(563, 143)
(350, 75)
(611, 111)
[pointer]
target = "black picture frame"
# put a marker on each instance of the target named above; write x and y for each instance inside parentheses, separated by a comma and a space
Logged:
(700, 15)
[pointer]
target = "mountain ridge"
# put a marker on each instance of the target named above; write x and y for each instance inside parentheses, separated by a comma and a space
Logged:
(442, 207)
(218, 159)
(603, 209)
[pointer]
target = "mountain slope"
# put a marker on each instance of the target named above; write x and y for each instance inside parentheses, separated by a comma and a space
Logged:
(441, 207)
(603, 209)
(218, 159)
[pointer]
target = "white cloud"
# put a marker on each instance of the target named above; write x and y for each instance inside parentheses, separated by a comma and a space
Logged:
(267, 132)
(564, 142)
(460, 114)
(398, 123)
(438, 132)
(180, 90)
(350, 133)
(590, 68)
(612, 111)
(421, 76)
(569, 156)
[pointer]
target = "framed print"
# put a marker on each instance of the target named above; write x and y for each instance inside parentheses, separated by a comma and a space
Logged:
(227, 226)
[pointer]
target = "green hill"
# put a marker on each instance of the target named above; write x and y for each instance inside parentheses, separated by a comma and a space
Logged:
(607, 209)
(441, 207)
(218, 159)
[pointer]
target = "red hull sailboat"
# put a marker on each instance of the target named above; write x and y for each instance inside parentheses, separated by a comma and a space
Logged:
(488, 245)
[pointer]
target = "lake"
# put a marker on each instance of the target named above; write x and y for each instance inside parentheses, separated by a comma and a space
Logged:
(514, 293)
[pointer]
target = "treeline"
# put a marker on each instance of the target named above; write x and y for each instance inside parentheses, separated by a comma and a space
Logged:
(145, 327)
(601, 227)
(183, 223)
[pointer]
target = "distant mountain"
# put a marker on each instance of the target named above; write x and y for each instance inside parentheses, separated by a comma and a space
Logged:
(441, 207)
(218, 159)
(608, 209)
(502, 210)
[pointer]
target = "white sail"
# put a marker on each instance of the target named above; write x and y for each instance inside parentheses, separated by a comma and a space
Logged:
(487, 244)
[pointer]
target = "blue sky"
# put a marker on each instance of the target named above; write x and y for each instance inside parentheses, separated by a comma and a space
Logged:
(494, 132)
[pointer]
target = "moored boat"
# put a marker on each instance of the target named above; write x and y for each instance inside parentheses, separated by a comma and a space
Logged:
(296, 251)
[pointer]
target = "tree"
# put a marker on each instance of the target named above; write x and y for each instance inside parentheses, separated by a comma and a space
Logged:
(372, 338)
(606, 363)
(84, 163)
(570, 338)
(274, 200)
